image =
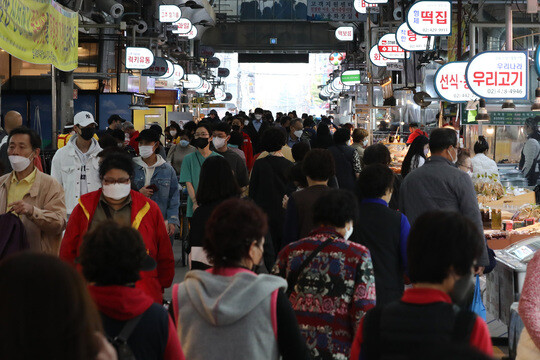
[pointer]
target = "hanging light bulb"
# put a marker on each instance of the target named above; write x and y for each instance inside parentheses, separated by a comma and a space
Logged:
(482, 112)
(508, 104)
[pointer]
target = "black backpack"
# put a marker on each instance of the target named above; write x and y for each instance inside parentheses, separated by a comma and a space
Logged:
(13, 236)
(120, 342)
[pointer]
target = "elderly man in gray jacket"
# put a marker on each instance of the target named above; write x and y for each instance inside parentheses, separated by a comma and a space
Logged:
(440, 185)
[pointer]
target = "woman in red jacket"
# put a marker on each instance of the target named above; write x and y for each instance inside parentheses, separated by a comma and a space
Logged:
(116, 201)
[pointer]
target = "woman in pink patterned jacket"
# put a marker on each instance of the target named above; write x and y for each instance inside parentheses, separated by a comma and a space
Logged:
(529, 310)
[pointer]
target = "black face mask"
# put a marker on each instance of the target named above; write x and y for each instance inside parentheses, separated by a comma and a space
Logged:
(236, 127)
(87, 133)
(200, 143)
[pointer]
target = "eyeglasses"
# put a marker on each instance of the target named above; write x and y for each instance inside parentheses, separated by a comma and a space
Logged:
(203, 135)
(109, 181)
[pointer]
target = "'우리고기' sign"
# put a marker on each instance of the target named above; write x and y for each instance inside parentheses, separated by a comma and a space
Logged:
(389, 48)
(377, 59)
(451, 84)
(499, 75)
(345, 33)
(411, 41)
(139, 58)
(169, 13)
(428, 17)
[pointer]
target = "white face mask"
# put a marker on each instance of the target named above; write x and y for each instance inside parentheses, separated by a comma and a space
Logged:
(469, 172)
(146, 151)
(218, 142)
(116, 191)
(246, 123)
(173, 133)
(348, 232)
(19, 163)
(426, 151)
(298, 133)
(258, 116)
(366, 142)
(453, 160)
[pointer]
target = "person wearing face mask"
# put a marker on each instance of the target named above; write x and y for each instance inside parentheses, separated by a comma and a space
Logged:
(346, 158)
(220, 137)
(76, 165)
(192, 164)
(178, 152)
(116, 201)
(156, 179)
(255, 129)
(360, 141)
(174, 131)
(442, 250)
(464, 162)
(416, 155)
(383, 231)
(37, 198)
(440, 185)
(246, 146)
(295, 133)
(229, 312)
(337, 272)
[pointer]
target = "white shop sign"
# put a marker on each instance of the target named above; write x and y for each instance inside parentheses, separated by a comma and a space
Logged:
(361, 6)
(139, 58)
(178, 72)
(193, 81)
(428, 17)
(411, 41)
(377, 59)
(389, 48)
(170, 70)
(451, 84)
(192, 34)
(169, 13)
(183, 26)
(345, 33)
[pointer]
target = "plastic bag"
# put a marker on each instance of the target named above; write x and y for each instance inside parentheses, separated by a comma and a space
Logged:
(477, 305)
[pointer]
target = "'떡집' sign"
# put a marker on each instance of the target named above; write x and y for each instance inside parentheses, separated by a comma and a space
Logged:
(361, 6)
(411, 41)
(139, 58)
(40, 32)
(351, 77)
(427, 17)
(451, 84)
(328, 10)
(377, 59)
(389, 48)
(183, 26)
(345, 33)
(169, 13)
(499, 74)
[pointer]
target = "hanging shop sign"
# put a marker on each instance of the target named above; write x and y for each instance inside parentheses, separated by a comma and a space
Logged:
(170, 70)
(507, 117)
(410, 41)
(325, 92)
(139, 58)
(157, 69)
(183, 26)
(219, 94)
(205, 88)
(344, 33)
(377, 59)
(169, 13)
(330, 10)
(228, 97)
(336, 58)
(389, 48)
(536, 60)
(428, 17)
(451, 83)
(192, 34)
(351, 77)
(178, 72)
(40, 32)
(361, 6)
(223, 72)
(338, 86)
(213, 62)
(206, 51)
(377, 1)
(499, 75)
(193, 81)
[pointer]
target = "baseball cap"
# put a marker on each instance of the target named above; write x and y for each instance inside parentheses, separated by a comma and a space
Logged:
(83, 118)
(148, 135)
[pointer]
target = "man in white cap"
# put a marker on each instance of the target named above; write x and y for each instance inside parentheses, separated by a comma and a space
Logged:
(76, 165)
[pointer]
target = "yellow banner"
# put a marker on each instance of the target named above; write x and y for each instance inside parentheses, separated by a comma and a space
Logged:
(40, 32)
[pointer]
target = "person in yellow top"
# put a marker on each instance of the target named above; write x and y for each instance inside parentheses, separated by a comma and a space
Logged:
(175, 132)
(37, 198)
(64, 137)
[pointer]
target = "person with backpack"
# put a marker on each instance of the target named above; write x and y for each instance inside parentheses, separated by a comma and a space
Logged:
(530, 155)
(112, 257)
(442, 249)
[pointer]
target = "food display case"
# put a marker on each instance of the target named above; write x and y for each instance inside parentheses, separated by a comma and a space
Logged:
(398, 151)
(505, 141)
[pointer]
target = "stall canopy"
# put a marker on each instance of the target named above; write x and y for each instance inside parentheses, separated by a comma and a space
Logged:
(40, 32)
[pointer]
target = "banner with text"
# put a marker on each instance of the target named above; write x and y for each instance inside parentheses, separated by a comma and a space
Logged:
(40, 32)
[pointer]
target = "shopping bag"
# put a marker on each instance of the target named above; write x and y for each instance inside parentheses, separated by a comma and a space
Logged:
(477, 305)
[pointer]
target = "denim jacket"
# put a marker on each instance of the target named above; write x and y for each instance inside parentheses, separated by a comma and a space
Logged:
(168, 196)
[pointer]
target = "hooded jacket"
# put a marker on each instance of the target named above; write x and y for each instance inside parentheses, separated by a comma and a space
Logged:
(154, 337)
(234, 310)
(147, 219)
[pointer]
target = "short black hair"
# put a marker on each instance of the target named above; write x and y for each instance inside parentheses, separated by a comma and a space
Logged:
(216, 181)
(116, 161)
(222, 126)
(258, 111)
(341, 136)
(441, 241)
(442, 139)
(206, 125)
(283, 120)
(113, 118)
(377, 154)
(35, 140)
(335, 208)
(374, 181)
(112, 254)
(299, 150)
(118, 135)
(273, 139)
(112, 150)
(107, 140)
(309, 122)
(319, 165)
(231, 229)
(156, 128)
(295, 121)
(481, 145)
(148, 135)
(176, 127)
(236, 139)
(413, 125)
